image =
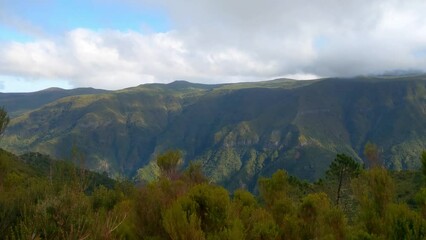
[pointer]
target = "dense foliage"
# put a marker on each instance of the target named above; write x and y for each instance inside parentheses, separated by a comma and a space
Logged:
(4, 120)
(41, 198)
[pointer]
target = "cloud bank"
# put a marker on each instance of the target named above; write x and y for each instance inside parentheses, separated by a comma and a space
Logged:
(229, 41)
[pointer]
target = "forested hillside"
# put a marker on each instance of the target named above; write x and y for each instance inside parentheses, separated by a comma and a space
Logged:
(238, 132)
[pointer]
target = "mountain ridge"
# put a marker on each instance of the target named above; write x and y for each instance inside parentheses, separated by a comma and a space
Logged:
(237, 131)
(18, 103)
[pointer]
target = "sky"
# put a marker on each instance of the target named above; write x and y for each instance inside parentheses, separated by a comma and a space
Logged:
(114, 44)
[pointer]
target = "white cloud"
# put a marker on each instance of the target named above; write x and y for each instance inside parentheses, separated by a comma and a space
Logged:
(362, 36)
(107, 59)
(113, 59)
(222, 40)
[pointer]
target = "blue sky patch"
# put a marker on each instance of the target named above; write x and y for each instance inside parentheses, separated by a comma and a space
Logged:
(19, 84)
(55, 17)
(10, 34)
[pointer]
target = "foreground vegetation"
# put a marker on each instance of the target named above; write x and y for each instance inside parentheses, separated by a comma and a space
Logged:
(45, 199)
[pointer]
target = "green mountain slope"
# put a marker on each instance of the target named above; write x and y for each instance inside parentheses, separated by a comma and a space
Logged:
(18, 103)
(238, 131)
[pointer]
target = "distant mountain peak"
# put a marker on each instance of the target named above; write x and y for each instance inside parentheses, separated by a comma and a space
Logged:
(180, 83)
(52, 89)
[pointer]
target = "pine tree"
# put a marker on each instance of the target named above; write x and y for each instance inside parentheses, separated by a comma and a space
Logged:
(343, 168)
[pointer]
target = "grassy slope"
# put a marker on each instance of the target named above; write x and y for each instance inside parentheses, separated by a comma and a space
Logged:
(115, 130)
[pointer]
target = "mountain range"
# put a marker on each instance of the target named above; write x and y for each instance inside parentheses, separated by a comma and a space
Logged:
(237, 132)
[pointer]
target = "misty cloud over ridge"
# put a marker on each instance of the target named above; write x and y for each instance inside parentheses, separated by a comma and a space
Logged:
(229, 41)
